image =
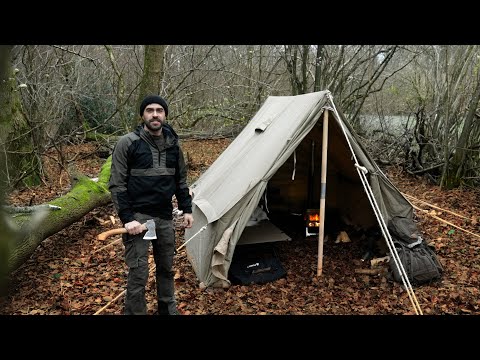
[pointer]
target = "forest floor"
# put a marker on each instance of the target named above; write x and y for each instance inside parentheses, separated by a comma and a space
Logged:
(73, 273)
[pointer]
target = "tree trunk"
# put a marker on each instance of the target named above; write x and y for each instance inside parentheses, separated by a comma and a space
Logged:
(120, 92)
(292, 57)
(20, 160)
(84, 196)
(318, 68)
(5, 126)
(458, 160)
(152, 73)
(5, 93)
(6, 116)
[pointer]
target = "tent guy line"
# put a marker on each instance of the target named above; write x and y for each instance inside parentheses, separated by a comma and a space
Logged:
(186, 242)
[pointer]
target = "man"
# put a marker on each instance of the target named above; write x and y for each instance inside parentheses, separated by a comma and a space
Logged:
(148, 168)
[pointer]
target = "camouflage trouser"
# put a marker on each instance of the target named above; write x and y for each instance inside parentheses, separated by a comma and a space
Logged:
(136, 258)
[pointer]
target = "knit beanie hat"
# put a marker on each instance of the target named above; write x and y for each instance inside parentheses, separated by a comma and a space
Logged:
(153, 99)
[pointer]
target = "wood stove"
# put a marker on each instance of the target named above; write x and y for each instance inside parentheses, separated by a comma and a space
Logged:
(312, 222)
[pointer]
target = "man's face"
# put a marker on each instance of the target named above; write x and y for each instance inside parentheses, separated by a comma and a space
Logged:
(154, 116)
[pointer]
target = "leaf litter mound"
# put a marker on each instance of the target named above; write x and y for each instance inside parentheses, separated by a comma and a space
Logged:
(74, 273)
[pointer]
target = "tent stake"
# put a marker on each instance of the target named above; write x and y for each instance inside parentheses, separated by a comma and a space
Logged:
(323, 188)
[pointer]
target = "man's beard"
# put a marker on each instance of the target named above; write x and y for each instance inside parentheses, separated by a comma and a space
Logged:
(151, 127)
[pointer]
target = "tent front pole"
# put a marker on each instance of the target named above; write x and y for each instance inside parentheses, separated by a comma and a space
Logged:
(323, 188)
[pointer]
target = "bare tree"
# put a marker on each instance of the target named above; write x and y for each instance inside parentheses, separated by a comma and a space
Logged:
(16, 131)
(5, 128)
(445, 85)
(218, 88)
(120, 93)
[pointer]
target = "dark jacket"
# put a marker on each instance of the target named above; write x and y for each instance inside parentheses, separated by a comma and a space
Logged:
(144, 178)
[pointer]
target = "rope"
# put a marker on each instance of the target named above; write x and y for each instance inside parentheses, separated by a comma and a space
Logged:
(436, 207)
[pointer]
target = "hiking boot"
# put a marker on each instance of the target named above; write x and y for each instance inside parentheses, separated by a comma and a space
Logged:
(176, 312)
(163, 310)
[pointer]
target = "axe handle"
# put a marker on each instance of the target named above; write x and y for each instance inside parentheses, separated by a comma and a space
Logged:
(106, 234)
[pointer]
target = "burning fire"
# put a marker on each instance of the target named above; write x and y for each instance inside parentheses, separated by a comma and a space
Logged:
(312, 218)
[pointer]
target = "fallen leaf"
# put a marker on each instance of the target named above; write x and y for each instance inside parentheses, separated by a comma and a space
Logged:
(177, 275)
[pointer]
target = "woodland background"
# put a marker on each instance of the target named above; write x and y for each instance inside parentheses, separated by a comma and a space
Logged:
(55, 97)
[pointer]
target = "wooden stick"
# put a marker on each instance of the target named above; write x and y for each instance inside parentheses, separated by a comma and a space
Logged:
(446, 222)
(103, 247)
(436, 207)
(111, 302)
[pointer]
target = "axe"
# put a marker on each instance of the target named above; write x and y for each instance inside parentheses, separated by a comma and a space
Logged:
(149, 235)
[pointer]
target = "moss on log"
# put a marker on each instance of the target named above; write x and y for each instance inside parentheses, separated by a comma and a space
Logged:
(84, 196)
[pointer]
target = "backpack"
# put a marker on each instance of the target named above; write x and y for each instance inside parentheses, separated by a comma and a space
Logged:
(420, 263)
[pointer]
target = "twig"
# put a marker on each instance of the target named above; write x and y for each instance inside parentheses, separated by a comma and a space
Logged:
(74, 53)
(421, 171)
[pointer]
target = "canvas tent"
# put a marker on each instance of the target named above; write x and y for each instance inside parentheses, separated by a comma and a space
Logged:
(271, 160)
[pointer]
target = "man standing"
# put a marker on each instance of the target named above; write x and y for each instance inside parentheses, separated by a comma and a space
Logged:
(148, 168)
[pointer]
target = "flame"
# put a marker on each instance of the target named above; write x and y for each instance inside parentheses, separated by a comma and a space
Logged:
(313, 217)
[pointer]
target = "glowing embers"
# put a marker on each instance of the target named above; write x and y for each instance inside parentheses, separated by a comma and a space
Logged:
(312, 222)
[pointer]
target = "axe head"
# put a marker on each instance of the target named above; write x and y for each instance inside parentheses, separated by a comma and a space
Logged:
(151, 233)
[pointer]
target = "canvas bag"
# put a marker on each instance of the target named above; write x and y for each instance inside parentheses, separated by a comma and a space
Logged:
(420, 263)
(418, 259)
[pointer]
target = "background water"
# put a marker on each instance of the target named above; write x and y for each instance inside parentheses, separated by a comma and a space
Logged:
(392, 124)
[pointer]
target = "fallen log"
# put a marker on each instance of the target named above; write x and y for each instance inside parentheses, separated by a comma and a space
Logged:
(84, 196)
